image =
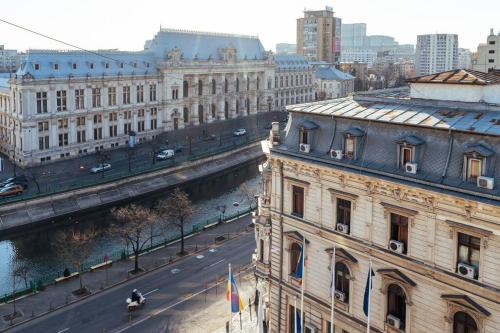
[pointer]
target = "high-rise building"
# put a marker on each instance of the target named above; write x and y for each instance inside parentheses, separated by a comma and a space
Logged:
(487, 57)
(9, 60)
(286, 48)
(319, 36)
(436, 53)
(353, 36)
(464, 58)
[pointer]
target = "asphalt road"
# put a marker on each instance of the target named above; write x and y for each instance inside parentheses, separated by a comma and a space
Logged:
(165, 291)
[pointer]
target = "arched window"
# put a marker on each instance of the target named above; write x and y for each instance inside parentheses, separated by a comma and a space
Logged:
(200, 114)
(258, 83)
(185, 89)
(225, 86)
(396, 304)
(295, 250)
(342, 277)
(226, 110)
(463, 323)
(237, 84)
(213, 111)
(214, 87)
(200, 87)
(186, 115)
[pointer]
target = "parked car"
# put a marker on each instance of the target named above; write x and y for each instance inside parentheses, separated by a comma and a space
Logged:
(11, 190)
(7, 181)
(101, 168)
(178, 148)
(165, 155)
(19, 180)
(240, 132)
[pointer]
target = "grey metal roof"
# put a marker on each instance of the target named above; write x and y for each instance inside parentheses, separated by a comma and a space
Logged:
(385, 122)
(406, 112)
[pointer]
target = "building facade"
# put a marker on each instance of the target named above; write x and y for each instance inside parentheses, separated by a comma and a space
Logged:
(436, 53)
(487, 57)
(293, 81)
(464, 59)
(331, 83)
(319, 36)
(402, 179)
(286, 48)
(67, 103)
(9, 60)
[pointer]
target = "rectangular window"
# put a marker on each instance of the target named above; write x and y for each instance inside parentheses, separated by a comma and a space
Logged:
(140, 93)
(126, 95)
(298, 201)
(399, 229)
(491, 52)
(349, 147)
(97, 133)
(61, 100)
(261, 250)
(62, 123)
(41, 102)
(96, 97)
(63, 139)
(127, 127)
(79, 99)
(468, 251)
(113, 130)
(43, 142)
(97, 119)
(43, 126)
(154, 124)
(474, 168)
(80, 121)
(491, 61)
(406, 156)
(112, 96)
(80, 136)
(343, 211)
(303, 135)
(152, 92)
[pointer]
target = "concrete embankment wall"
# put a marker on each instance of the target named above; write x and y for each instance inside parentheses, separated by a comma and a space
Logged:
(18, 215)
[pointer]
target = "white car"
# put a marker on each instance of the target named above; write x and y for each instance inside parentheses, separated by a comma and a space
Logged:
(240, 132)
(165, 155)
(101, 168)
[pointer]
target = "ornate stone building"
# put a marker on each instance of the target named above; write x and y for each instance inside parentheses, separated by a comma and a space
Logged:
(66, 103)
(406, 179)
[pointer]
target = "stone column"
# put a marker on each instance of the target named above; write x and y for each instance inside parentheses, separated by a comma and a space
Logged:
(220, 111)
(89, 128)
(147, 120)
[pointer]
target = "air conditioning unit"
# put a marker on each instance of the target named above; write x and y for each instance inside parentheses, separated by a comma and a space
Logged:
(466, 270)
(396, 246)
(304, 147)
(343, 228)
(411, 168)
(339, 296)
(336, 154)
(394, 321)
(485, 182)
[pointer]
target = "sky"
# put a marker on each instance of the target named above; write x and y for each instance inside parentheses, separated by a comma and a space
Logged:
(126, 24)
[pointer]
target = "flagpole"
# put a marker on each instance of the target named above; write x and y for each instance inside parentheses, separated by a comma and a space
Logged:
(303, 283)
(295, 314)
(332, 291)
(230, 300)
(369, 294)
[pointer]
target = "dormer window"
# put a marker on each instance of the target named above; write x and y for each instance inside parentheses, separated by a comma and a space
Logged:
(121, 65)
(37, 67)
(477, 162)
(304, 137)
(306, 128)
(352, 142)
(408, 151)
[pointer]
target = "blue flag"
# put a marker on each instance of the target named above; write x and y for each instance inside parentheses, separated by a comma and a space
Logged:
(299, 266)
(368, 290)
(298, 322)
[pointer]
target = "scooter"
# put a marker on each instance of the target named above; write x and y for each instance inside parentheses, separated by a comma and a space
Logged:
(134, 305)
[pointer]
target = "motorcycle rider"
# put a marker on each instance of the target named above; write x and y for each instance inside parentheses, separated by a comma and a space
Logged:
(136, 296)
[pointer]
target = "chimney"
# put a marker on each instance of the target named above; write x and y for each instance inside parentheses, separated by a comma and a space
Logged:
(491, 32)
(275, 133)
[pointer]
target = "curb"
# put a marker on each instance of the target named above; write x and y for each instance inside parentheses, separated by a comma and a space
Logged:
(119, 282)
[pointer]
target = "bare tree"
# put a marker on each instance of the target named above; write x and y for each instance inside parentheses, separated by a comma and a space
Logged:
(75, 246)
(250, 194)
(134, 224)
(177, 208)
(21, 270)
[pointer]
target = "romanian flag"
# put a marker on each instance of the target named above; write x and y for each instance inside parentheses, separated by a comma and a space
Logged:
(233, 295)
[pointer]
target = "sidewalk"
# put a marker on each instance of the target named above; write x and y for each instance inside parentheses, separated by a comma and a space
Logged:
(60, 294)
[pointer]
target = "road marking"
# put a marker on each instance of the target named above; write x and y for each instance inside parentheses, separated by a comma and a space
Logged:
(64, 330)
(215, 263)
(212, 250)
(150, 292)
(200, 256)
(157, 312)
(175, 271)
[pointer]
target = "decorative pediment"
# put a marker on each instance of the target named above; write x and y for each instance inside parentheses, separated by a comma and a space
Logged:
(354, 132)
(397, 275)
(390, 208)
(479, 151)
(466, 302)
(295, 235)
(342, 253)
(307, 125)
(470, 229)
